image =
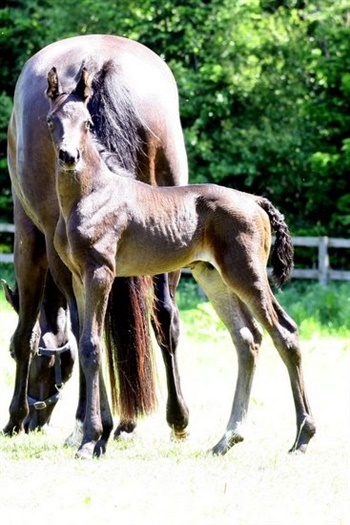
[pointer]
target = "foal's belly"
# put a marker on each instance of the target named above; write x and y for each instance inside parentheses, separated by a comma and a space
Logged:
(159, 243)
(153, 260)
(145, 263)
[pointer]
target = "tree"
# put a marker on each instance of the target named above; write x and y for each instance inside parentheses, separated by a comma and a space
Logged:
(264, 89)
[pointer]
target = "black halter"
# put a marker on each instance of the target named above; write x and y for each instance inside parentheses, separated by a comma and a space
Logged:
(56, 352)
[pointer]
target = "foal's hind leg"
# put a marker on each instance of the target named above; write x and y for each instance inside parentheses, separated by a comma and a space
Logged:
(254, 289)
(246, 336)
(285, 336)
(165, 321)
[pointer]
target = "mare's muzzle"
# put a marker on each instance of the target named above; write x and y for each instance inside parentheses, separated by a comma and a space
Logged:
(56, 353)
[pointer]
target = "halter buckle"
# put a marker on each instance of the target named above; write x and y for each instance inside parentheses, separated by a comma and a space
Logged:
(40, 405)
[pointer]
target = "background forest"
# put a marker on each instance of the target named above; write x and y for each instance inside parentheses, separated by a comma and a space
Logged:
(264, 90)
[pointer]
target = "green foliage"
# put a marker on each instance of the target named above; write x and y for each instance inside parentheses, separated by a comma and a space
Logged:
(315, 308)
(318, 310)
(264, 90)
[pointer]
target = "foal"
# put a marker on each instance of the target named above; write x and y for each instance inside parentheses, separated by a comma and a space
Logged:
(112, 226)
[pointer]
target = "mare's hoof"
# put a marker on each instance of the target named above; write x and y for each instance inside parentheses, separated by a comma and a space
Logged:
(126, 427)
(11, 430)
(179, 435)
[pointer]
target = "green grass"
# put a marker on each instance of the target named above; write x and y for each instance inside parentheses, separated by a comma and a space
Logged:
(150, 479)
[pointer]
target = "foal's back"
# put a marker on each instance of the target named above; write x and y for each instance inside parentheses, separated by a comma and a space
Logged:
(173, 227)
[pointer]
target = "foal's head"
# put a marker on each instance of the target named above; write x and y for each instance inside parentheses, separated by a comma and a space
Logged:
(69, 120)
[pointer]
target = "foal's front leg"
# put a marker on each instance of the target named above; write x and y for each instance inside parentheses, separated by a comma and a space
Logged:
(98, 417)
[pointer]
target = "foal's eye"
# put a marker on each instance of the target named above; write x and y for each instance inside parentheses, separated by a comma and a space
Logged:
(49, 124)
(88, 124)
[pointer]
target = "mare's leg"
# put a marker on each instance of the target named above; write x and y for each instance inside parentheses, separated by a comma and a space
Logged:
(165, 322)
(164, 163)
(246, 336)
(30, 270)
(251, 284)
(92, 301)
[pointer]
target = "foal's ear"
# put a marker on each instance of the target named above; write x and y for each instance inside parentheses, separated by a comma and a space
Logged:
(83, 88)
(54, 89)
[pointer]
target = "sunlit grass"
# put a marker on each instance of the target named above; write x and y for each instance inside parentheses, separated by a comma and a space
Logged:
(150, 479)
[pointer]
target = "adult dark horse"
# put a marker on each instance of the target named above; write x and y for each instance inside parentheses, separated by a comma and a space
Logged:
(111, 225)
(135, 115)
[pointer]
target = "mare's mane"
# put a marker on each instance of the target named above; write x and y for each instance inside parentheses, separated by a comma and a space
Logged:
(117, 128)
(112, 160)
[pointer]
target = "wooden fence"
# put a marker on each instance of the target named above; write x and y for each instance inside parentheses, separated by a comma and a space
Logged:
(323, 272)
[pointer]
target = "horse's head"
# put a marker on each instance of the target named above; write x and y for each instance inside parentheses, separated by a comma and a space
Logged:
(50, 369)
(69, 120)
(52, 364)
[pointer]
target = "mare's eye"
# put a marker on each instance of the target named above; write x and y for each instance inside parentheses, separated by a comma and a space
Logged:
(88, 124)
(49, 124)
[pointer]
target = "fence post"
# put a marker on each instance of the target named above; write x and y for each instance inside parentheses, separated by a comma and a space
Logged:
(323, 261)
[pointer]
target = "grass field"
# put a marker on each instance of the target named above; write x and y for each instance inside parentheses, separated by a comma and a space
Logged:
(149, 479)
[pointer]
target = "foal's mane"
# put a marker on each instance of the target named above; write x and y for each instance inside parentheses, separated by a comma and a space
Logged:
(116, 126)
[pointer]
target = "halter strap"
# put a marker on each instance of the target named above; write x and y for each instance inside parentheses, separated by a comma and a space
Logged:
(56, 352)
(40, 405)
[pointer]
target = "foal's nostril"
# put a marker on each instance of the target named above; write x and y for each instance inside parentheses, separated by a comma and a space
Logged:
(69, 157)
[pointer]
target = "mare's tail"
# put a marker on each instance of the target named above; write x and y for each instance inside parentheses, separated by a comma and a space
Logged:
(129, 348)
(282, 251)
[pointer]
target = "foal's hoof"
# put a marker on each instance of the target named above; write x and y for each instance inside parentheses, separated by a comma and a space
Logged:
(299, 451)
(225, 443)
(76, 436)
(86, 451)
(100, 448)
(306, 431)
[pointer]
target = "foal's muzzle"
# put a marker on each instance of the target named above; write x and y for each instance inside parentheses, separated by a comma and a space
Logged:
(69, 158)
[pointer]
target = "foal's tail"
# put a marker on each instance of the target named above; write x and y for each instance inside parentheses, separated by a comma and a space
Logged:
(129, 348)
(282, 251)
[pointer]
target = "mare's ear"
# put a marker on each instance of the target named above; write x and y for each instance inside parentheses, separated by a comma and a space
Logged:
(83, 88)
(54, 87)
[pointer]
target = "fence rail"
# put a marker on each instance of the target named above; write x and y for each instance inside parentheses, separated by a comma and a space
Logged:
(323, 272)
